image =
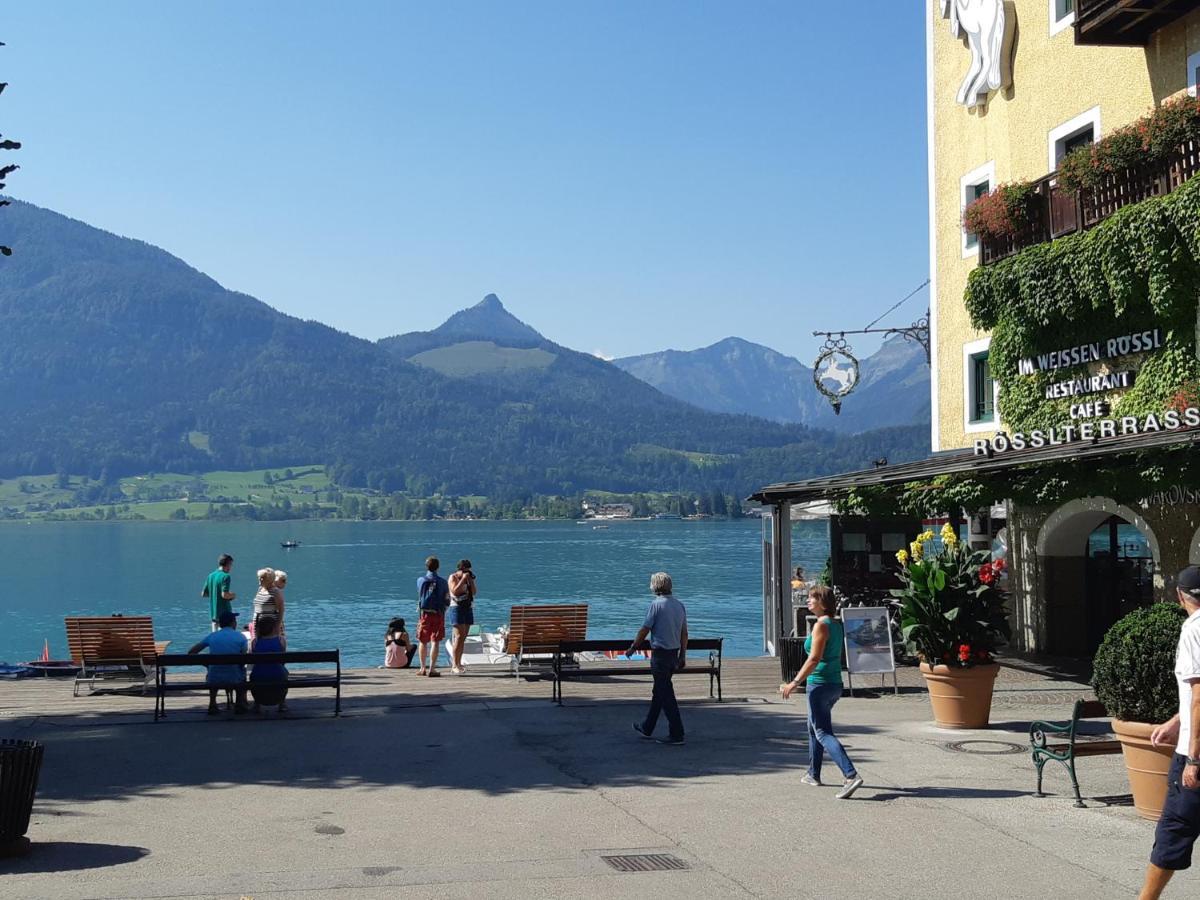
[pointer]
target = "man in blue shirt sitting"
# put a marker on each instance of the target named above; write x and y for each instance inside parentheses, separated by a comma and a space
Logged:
(226, 639)
(666, 625)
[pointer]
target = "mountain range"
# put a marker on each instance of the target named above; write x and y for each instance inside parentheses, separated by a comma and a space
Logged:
(119, 359)
(737, 376)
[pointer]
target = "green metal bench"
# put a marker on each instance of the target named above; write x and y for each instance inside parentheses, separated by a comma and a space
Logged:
(1065, 750)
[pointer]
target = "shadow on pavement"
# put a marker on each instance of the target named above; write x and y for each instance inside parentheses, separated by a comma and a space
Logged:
(945, 793)
(512, 747)
(71, 856)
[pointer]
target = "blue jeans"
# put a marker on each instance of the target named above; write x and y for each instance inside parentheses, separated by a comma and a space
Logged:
(662, 667)
(821, 738)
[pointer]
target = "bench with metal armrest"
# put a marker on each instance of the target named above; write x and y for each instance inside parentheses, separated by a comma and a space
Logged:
(1068, 746)
(696, 665)
(294, 681)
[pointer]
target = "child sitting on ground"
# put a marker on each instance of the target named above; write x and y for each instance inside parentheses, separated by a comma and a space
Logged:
(399, 649)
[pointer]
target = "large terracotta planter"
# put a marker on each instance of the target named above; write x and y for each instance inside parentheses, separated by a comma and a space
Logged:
(1146, 765)
(961, 698)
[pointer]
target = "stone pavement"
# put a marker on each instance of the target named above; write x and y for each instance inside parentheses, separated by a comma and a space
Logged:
(502, 794)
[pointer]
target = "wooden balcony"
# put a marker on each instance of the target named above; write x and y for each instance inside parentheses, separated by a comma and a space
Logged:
(1057, 213)
(1125, 23)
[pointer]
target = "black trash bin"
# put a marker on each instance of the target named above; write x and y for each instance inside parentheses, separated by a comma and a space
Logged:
(20, 764)
(791, 656)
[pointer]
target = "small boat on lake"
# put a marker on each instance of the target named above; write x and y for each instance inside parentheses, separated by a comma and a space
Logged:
(289, 545)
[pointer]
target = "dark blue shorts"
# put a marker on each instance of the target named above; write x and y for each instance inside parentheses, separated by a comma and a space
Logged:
(1180, 823)
(460, 615)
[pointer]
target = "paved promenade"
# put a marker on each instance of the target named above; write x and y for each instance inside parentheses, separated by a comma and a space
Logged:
(480, 787)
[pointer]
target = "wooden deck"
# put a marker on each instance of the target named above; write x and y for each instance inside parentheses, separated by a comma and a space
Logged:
(375, 691)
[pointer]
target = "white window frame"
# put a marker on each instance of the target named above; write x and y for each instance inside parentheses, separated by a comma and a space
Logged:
(1193, 63)
(1057, 24)
(986, 172)
(970, 350)
(1068, 130)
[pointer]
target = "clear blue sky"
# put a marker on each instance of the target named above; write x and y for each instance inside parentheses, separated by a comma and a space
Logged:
(625, 176)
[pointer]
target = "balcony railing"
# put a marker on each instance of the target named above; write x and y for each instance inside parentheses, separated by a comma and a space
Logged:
(1125, 23)
(1057, 213)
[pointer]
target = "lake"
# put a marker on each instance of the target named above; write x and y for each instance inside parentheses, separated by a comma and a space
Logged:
(347, 579)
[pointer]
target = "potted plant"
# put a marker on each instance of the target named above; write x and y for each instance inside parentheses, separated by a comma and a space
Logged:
(1133, 674)
(1004, 212)
(953, 618)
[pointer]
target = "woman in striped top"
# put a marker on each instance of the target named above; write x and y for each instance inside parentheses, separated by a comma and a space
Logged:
(266, 601)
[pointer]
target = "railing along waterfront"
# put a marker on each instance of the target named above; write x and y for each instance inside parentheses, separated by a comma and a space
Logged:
(1056, 212)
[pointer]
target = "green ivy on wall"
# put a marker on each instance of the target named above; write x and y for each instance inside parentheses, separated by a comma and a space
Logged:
(1136, 271)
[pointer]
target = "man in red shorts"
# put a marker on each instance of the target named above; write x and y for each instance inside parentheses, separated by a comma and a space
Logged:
(434, 594)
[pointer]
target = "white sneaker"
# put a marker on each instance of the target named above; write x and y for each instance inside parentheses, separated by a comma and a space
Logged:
(849, 786)
(808, 779)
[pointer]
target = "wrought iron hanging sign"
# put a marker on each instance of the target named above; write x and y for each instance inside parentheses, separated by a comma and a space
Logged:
(835, 372)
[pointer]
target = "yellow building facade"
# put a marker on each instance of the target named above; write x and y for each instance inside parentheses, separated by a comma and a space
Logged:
(1055, 93)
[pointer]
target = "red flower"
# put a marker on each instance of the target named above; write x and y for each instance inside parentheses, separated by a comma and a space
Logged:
(964, 653)
(999, 565)
(986, 574)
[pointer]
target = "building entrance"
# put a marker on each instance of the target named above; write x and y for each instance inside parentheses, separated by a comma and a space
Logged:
(1098, 561)
(1119, 576)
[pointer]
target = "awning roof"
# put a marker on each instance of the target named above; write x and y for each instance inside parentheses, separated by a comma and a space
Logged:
(834, 486)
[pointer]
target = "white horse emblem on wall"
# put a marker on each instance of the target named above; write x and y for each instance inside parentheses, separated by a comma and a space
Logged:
(983, 22)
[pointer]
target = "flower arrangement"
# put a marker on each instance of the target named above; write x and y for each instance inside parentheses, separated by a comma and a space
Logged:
(952, 609)
(1008, 210)
(1149, 140)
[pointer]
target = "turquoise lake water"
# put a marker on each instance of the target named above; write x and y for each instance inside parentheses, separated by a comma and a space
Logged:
(347, 579)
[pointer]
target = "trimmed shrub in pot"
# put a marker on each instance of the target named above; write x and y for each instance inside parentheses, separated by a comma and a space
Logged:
(1134, 677)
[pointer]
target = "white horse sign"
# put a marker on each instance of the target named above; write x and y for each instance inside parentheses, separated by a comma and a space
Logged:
(985, 26)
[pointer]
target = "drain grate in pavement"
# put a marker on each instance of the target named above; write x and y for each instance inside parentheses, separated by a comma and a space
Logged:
(988, 748)
(646, 862)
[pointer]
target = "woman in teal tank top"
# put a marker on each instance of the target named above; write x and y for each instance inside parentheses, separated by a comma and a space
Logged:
(822, 671)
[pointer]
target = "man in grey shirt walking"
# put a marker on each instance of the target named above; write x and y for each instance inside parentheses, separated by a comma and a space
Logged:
(666, 626)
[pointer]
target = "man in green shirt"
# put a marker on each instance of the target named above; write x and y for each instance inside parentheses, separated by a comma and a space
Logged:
(216, 589)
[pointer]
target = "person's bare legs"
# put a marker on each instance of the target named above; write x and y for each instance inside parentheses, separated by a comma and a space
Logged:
(421, 653)
(1156, 880)
(433, 655)
(460, 638)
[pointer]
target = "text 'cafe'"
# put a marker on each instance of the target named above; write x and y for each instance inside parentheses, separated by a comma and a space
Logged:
(1091, 510)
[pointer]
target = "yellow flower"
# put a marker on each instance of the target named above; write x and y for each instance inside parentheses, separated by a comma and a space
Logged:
(925, 536)
(902, 557)
(949, 537)
(917, 549)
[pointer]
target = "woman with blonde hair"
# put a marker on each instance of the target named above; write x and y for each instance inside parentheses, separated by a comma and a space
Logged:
(266, 600)
(822, 671)
(280, 584)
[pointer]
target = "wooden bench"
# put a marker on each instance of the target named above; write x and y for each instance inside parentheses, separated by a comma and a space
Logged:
(566, 651)
(295, 680)
(112, 649)
(536, 631)
(1069, 746)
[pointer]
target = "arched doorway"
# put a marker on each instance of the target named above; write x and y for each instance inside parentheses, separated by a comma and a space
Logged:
(1098, 561)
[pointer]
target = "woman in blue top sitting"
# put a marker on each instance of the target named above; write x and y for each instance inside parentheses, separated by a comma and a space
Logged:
(268, 640)
(823, 672)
